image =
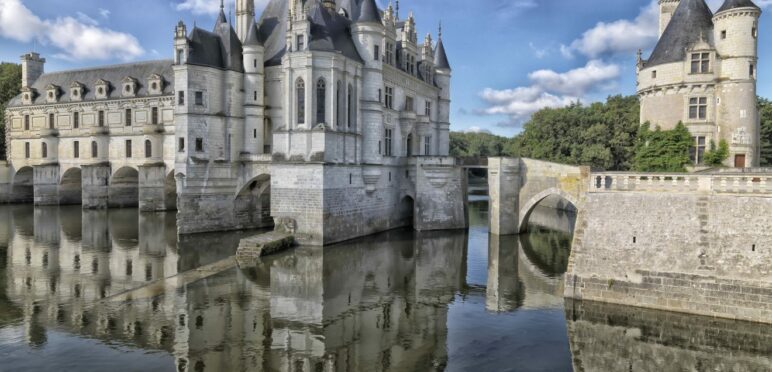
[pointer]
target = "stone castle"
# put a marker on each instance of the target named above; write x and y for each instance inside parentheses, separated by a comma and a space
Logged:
(703, 73)
(326, 117)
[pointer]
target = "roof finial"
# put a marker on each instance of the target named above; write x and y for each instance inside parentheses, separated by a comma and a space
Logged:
(439, 34)
(397, 10)
(222, 5)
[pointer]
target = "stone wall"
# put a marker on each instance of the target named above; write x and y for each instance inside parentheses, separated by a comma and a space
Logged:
(696, 244)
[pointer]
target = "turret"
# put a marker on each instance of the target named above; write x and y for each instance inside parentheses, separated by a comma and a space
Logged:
(257, 138)
(666, 10)
(180, 44)
(736, 37)
(245, 15)
(442, 78)
(368, 32)
(31, 68)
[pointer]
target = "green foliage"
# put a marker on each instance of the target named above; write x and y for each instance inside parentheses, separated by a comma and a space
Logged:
(467, 145)
(601, 135)
(765, 114)
(662, 150)
(715, 157)
(10, 86)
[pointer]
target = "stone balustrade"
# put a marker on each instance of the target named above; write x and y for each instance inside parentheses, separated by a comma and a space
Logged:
(709, 183)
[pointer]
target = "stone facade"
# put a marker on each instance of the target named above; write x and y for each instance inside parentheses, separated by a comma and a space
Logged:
(695, 244)
(323, 117)
(703, 73)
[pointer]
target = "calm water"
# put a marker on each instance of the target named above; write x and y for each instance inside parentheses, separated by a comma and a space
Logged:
(96, 291)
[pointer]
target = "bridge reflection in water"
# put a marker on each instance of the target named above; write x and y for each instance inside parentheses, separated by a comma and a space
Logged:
(81, 290)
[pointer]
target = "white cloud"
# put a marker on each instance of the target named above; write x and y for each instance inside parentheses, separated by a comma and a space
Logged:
(104, 13)
(477, 130)
(621, 36)
(77, 39)
(549, 89)
(199, 7)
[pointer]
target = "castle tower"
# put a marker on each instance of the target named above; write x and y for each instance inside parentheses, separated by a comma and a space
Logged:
(736, 37)
(31, 68)
(368, 34)
(245, 14)
(666, 10)
(442, 78)
(257, 137)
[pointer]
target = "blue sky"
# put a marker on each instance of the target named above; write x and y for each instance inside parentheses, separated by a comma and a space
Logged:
(509, 57)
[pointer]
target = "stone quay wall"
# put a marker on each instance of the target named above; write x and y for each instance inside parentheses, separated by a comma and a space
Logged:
(697, 243)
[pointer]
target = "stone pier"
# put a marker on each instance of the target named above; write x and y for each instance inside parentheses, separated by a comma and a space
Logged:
(96, 184)
(46, 184)
(503, 175)
(152, 188)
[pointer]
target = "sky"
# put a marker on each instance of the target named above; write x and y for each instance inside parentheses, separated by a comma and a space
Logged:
(509, 57)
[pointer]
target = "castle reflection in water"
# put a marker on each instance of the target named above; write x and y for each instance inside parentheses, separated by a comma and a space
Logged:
(377, 304)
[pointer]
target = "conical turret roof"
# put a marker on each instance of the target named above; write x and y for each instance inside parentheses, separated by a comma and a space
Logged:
(253, 36)
(440, 58)
(369, 12)
(691, 23)
(732, 4)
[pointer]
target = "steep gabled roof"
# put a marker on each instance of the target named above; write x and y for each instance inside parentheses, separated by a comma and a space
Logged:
(104, 74)
(691, 23)
(732, 4)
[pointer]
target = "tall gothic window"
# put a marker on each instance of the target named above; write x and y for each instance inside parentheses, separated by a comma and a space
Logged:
(300, 92)
(148, 149)
(351, 112)
(338, 104)
(321, 99)
(45, 150)
(94, 149)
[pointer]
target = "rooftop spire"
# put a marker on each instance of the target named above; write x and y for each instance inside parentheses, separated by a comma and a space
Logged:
(439, 34)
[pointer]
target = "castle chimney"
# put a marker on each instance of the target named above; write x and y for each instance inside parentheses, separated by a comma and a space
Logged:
(31, 68)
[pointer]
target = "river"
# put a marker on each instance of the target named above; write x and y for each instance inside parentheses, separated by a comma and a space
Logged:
(117, 290)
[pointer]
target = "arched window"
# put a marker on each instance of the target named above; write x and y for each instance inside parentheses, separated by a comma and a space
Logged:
(338, 104)
(148, 149)
(350, 107)
(300, 91)
(45, 150)
(321, 101)
(94, 149)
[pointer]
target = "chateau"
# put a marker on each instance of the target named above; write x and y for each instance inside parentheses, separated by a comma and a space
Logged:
(703, 73)
(326, 117)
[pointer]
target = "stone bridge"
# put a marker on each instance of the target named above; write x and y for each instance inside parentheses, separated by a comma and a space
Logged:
(517, 186)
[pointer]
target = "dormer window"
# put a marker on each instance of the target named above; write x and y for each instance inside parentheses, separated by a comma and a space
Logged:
(52, 93)
(28, 94)
(155, 84)
(700, 63)
(102, 89)
(129, 86)
(76, 91)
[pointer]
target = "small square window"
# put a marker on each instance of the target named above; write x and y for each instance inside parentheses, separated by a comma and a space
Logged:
(654, 74)
(723, 34)
(181, 98)
(181, 145)
(199, 98)
(199, 144)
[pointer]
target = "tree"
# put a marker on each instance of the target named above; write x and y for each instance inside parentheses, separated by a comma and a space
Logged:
(10, 86)
(765, 115)
(715, 157)
(662, 150)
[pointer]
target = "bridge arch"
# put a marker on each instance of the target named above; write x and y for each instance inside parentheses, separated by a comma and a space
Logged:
(124, 188)
(528, 207)
(252, 202)
(71, 187)
(22, 189)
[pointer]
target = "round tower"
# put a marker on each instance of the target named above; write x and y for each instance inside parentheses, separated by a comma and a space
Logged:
(442, 76)
(368, 34)
(737, 117)
(257, 138)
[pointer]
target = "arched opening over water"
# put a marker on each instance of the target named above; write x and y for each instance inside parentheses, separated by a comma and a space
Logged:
(124, 188)
(170, 192)
(406, 211)
(70, 187)
(552, 209)
(253, 202)
(22, 190)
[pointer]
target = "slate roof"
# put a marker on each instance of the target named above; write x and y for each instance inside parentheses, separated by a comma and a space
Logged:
(440, 57)
(692, 21)
(732, 4)
(220, 48)
(113, 74)
(253, 36)
(369, 12)
(330, 31)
